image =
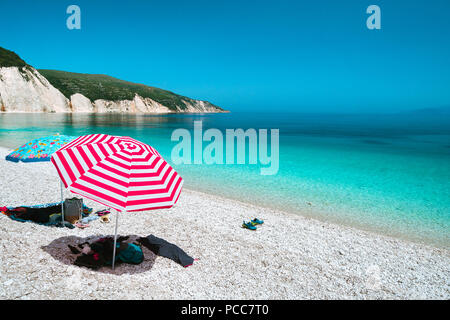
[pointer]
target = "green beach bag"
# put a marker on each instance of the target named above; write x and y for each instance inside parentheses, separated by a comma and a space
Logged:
(132, 254)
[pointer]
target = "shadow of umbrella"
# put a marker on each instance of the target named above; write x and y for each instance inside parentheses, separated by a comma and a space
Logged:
(60, 251)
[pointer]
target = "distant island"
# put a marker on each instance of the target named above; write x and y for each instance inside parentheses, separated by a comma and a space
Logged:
(26, 89)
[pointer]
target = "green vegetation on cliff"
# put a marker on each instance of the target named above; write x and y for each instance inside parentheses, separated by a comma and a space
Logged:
(10, 59)
(97, 86)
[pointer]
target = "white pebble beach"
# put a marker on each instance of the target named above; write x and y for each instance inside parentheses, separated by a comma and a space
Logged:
(289, 257)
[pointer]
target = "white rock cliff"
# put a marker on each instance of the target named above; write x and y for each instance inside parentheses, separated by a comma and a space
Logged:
(25, 90)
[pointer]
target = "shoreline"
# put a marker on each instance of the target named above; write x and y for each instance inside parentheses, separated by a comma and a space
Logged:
(289, 257)
(317, 219)
(311, 215)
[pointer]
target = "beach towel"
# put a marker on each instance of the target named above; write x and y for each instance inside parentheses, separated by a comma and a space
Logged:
(48, 214)
(39, 215)
(166, 249)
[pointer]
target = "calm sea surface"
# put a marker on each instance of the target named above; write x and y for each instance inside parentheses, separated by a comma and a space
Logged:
(385, 173)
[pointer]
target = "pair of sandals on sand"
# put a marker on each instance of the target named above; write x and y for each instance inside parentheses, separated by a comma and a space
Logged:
(251, 225)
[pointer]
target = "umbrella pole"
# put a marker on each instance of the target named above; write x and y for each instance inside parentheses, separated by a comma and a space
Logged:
(62, 204)
(115, 239)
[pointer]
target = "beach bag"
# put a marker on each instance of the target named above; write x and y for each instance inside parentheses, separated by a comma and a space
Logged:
(72, 209)
(132, 254)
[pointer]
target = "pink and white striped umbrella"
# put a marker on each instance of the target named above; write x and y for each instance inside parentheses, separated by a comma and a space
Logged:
(120, 172)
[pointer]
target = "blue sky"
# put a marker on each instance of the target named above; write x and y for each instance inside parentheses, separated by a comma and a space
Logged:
(249, 55)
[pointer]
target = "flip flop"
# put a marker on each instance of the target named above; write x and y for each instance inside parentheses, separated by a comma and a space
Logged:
(103, 212)
(81, 225)
(248, 225)
(256, 221)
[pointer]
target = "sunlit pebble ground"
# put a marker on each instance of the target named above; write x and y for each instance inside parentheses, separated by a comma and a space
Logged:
(289, 257)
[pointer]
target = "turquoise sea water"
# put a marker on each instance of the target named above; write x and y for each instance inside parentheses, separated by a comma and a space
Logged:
(385, 173)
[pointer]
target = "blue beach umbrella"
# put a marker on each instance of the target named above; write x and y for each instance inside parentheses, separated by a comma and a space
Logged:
(40, 149)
